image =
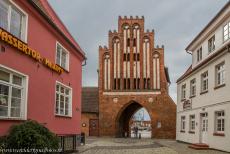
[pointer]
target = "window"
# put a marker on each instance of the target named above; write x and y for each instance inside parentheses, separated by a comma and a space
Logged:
(220, 122)
(134, 42)
(227, 31)
(12, 95)
(136, 57)
(192, 123)
(204, 82)
(62, 57)
(63, 100)
(220, 74)
(128, 42)
(211, 44)
(114, 84)
(183, 92)
(199, 54)
(124, 84)
(193, 87)
(128, 83)
(13, 19)
(183, 123)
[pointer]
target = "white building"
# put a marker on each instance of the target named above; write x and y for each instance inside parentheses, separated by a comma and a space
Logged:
(203, 105)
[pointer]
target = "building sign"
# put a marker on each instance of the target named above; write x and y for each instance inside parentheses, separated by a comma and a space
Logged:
(187, 105)
(24, 48)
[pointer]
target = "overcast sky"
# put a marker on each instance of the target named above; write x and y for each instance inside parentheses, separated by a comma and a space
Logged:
(176, 23)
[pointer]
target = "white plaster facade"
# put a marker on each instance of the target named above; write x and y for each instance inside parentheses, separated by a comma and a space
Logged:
(206, 105)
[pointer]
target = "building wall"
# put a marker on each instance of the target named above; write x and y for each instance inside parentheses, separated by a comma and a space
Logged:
(85, 117)
(216, 30)
(217, 97)
(113, 101)
(42, 80)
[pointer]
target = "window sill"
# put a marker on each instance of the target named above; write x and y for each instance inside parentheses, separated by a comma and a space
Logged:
(191, 132)
(218, 134)
(192, 96)
(182, 131)
(219, 86)
(11, 119)
(62, 116)
(204, 92)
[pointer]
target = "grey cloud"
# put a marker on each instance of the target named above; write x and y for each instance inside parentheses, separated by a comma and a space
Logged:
(175, 22)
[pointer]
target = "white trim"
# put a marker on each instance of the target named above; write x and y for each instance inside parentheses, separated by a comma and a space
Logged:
(67, 58)
(25, 96)
(71, 103)
(132, 93)
(24, 28)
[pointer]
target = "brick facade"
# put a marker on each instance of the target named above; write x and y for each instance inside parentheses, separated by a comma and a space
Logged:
(117, 103)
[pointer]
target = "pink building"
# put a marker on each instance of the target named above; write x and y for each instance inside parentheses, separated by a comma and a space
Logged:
(40, 68)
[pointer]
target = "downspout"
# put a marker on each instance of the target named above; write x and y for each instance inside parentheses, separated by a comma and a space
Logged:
(85, 62)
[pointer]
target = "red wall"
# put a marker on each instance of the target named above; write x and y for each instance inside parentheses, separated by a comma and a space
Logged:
(42, 80)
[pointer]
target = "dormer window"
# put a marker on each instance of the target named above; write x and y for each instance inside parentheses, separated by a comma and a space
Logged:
(199, 54)
(211, 44)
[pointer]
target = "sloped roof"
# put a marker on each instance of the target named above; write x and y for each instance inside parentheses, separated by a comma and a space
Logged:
(187, 72)
(90, 99)
(46, 11)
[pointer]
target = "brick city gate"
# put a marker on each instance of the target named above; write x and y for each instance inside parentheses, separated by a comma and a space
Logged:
(132, 75)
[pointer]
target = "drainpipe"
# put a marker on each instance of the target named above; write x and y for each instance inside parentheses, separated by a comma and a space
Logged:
(84, 63)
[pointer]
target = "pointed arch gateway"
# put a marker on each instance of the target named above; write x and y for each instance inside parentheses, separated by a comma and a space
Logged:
(124, 117)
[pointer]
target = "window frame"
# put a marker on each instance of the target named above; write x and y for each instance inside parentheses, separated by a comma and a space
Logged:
(221, 71)
(199, 54)
(24, 28)
(192, 126)
(70, 100)
(183, 123)
(67, 57)
(228, 31)
(183, 92)
(202, 81)
(24, 93)
(211, 44)
(191, 87)
(222, 117)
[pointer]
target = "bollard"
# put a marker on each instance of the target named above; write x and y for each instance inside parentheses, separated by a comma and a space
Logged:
(139, 135)
(83, 138)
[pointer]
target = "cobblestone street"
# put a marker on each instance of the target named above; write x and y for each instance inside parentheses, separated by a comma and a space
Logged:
(136, 146)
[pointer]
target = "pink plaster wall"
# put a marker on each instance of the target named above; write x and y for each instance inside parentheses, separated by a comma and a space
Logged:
(41, 91)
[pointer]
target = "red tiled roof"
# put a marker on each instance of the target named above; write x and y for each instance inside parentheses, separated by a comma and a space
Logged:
(47, 10)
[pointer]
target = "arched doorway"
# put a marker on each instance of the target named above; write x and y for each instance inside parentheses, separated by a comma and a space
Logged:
(124, 118)
(140, 124)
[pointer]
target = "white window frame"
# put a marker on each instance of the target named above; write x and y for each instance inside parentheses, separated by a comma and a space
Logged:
(24, 99)
(24, 29)
(70, 100)
(192, 122)
(222, 118)
(202, 81)
(211, 44)
(227, 30)
(183, 123)
(193, 85)
(199, 54)
(183, 92)
(67, 56)
(222, 74)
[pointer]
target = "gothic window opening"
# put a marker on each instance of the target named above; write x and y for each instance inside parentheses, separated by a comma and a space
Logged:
(156, 71)
(106, 72)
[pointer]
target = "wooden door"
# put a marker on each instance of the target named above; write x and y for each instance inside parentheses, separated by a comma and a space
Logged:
(93, 127)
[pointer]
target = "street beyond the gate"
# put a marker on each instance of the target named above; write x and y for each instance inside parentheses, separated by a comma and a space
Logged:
(138, 146)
